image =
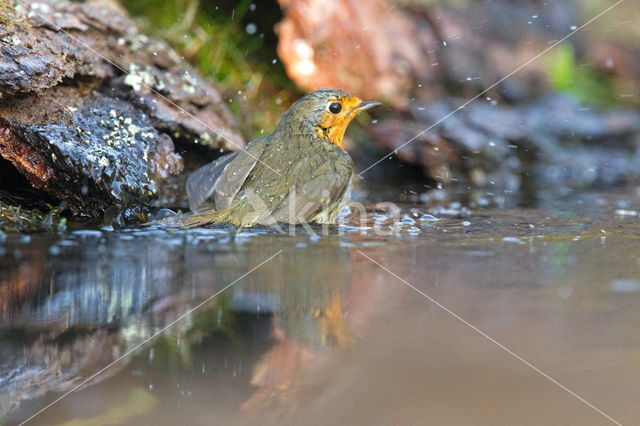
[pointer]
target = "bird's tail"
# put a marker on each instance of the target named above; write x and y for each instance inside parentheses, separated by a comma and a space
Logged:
(194, 220)
(189, 220)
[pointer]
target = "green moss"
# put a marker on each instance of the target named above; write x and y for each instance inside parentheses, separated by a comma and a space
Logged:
(587, 84)
(17, 219)
(232, 44)
(11, 12)
(6, 12)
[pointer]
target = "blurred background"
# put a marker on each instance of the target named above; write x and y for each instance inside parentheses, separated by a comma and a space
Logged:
(567, 119)
(263, 56)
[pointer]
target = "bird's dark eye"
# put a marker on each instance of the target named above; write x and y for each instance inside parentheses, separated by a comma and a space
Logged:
(335, 108)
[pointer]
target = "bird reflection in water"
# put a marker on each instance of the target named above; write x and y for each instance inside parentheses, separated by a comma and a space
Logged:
(307, 287)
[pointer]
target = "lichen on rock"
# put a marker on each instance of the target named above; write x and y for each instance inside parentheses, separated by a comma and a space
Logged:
(90, 109)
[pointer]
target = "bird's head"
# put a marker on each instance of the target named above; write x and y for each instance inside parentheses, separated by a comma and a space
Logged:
(325, 113)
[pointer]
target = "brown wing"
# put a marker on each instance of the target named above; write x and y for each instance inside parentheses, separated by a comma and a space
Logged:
(220, 180)
(326, 187)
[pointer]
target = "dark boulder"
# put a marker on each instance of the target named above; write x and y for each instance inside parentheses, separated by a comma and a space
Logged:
(90, 109)
(553, 140)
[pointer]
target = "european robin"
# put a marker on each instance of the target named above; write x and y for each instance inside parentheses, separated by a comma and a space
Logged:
(298, 173)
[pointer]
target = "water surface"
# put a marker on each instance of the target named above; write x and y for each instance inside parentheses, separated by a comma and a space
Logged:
(320, 333)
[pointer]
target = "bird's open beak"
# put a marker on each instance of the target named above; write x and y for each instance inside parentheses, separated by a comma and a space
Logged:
(367, 105)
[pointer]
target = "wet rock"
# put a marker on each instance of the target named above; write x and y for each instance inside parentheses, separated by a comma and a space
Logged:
(518, 133)
(95, 151)
(90, 109)
(342, 44)
(389, 50)
(552, 140)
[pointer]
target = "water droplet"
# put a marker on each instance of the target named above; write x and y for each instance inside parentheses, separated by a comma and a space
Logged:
(251, 28)
(515, 240)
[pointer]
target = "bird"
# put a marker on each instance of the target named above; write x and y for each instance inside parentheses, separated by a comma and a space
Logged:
(299, 173)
